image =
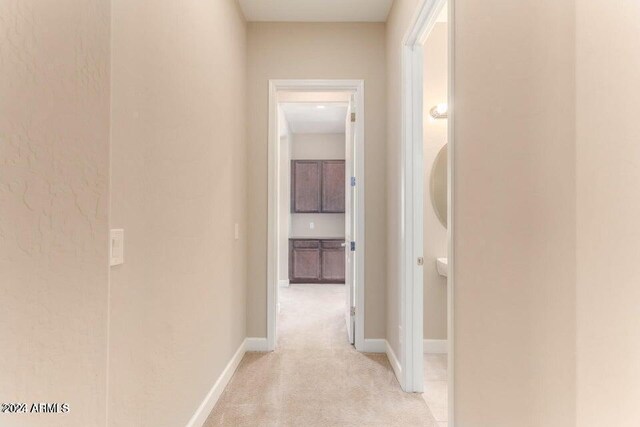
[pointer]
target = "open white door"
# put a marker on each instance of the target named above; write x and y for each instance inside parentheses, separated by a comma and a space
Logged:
(350, 219)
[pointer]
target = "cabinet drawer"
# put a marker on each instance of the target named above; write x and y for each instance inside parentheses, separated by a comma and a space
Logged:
(332, 244)
(311, 244)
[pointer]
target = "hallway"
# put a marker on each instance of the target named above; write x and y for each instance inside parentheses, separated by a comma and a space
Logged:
(145, 235)
(315, 378)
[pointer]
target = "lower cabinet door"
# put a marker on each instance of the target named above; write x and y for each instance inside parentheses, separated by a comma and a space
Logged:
(304, 261)
(333, 265)
(316, 261)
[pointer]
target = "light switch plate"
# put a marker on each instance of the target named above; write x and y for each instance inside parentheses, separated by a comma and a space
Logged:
(116, 246)
(312, 225)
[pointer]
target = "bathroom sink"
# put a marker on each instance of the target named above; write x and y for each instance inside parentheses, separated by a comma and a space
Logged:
(443, 266)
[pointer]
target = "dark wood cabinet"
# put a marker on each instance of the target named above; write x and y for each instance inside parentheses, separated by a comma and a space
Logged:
(317, 186)
(333, 186)
(306, 185)
(316, 261)
(304, 260)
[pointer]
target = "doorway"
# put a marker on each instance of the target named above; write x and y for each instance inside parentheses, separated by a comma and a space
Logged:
(298, 251)
(428, 210)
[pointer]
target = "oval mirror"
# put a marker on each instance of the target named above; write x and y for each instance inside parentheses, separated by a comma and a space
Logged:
(438, 185)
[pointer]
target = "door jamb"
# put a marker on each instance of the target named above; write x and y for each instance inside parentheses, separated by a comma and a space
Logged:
(413, 192)
(275, 86)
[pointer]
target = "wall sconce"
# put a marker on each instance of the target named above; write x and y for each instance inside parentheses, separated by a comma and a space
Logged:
(439, 111)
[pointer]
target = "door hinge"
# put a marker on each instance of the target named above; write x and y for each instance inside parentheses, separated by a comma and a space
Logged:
(353, 181)
(353, 117)
(420, 261)
(353, 246)
(353, 311)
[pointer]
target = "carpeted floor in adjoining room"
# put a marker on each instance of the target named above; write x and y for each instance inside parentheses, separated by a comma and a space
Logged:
(315, 378)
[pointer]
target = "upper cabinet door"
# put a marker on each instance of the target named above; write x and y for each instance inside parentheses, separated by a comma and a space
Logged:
(333, 183)
(306, 183)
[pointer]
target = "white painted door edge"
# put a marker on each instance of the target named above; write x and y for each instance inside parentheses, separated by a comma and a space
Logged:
(357, 87)
(412, 358)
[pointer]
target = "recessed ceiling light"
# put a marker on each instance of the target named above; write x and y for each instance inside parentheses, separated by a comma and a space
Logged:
(320, 107)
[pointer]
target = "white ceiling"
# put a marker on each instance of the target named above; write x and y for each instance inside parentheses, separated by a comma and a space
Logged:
(315, 117)
(316, 10)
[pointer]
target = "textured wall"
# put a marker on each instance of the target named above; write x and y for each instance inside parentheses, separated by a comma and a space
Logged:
(54, 161)
(178, 187)
(608, 203)
(317, 51)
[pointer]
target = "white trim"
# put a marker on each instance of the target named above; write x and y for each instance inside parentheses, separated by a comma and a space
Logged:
(210, 400)
(284, 283)
(256, 344)
(412, 313)
(272, 217)
(435, 346)
(375, 345)
(393, 360)
(450, 216)
(357, 87)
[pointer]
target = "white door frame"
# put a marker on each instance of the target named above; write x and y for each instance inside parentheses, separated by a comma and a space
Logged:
(413, 196)
(275, 86)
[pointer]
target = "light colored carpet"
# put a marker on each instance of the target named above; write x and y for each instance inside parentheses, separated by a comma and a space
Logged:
(315, 378)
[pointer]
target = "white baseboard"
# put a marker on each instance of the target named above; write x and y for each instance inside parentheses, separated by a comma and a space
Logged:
(435, 346)
(210, 400)
(284, 283)
(395, 363)
(374, 345)
(256, 344)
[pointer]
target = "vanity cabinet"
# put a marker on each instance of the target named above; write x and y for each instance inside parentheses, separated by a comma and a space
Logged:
(316, 261)
(317, 186)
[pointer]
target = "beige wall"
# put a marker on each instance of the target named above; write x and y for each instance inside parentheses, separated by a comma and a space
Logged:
(317, 51)
(54, 165)
(328, 225)
(324, 146)
(544, 140)
(397, 25)
(178, 186)
(435, 87)
(318, 146)
(608, 182)
(515, 209)
(515, 241)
